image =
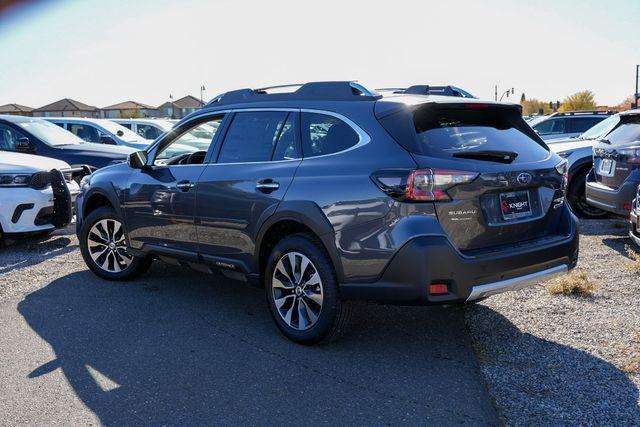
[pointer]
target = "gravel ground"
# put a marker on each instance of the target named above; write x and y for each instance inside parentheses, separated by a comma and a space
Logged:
(558, 359)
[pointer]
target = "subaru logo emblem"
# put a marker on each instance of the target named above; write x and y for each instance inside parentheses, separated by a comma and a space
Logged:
(524, 178)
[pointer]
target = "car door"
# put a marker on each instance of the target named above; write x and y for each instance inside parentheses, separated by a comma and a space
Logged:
(255, 164)
(160, 200)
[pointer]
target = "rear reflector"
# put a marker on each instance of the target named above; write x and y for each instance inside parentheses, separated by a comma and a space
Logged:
(438, 289)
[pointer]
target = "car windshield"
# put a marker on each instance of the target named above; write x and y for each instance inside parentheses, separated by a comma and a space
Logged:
(627, 132)
(49, 133)
(602, 128)
(127, 134)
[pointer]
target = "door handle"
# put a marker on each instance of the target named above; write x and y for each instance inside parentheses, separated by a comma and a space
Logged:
(267, 185)
(185, 185)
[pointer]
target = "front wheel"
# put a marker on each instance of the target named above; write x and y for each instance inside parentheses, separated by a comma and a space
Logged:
(104, 247)
(302, 291)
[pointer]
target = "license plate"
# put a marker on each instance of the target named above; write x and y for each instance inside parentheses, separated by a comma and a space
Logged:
(515, 204)
(606, 167)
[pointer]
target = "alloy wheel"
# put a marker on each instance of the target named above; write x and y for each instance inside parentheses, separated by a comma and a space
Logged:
(297, 291)
(107, 246)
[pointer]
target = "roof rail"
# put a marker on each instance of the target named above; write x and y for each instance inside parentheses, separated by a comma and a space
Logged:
(448, 90)
(336, 91)
(578, 112)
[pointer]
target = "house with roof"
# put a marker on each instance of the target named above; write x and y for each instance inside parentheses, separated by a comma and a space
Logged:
(16, 110)
(180, 107)
(127, 109)
(67, 108)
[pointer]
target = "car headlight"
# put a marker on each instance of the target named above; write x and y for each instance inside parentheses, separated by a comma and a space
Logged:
(14, 180)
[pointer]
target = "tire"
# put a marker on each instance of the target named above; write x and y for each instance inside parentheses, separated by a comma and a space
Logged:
(578, 200)
(306, 307)
(99, 230)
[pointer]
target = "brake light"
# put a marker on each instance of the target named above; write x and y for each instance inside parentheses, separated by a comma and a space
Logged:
(422, 185)
(475, 105)
(632, 154)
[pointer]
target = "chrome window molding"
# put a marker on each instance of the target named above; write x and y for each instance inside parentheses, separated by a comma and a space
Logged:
(363, 137)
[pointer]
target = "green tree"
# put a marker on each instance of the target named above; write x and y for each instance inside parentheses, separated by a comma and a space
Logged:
(583, 100)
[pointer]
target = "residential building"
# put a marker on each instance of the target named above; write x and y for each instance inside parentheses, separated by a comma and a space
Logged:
(127, 109)
(179, 108)
(16, 110)
(67, 108)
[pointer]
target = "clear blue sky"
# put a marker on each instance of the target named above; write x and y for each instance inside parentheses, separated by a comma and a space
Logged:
(103, 52)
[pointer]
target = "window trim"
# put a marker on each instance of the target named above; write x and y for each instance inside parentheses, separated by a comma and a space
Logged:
(363, 137)
(228, 113)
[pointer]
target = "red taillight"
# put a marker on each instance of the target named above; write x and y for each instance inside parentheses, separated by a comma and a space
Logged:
(475, 105)
(421, 185)
(563, 169)
(431, 185)
(626, 206)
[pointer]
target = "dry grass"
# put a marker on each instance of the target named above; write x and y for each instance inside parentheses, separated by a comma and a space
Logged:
(633, 365)
(574, 283)
(634, 265)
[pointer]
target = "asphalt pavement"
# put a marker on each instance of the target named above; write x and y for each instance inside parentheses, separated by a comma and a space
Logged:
(182, 347)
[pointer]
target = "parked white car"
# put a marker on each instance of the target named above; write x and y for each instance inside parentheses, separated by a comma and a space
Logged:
(101, 131)
(36, 194)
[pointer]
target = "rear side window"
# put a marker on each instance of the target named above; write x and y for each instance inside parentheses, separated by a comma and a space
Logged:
(254, 136)
(450, 132)
(324, 134)
(550, 127)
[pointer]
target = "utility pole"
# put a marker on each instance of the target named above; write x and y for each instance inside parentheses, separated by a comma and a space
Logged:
(172, 107)
(636, 95)
(202, 89)
(496, 93)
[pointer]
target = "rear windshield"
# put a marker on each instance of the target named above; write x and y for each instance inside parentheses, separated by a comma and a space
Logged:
(627, 132)
(461, 132)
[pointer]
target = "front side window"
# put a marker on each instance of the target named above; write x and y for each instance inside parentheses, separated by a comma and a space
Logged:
(148, 131)
(185, 143)
(324, 134)
(85, 132)
(254, 136)
(8, 138)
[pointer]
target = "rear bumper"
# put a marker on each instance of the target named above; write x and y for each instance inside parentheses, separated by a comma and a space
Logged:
(608, 199)
(432, 259)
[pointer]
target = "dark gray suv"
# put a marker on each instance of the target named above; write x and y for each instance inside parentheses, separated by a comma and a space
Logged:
(333, 193)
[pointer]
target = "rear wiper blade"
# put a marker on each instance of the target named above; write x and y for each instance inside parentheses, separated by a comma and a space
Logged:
(489, 155)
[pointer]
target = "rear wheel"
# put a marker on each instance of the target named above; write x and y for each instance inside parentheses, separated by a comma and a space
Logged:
(104, 247)
(302, 291)
(577, 199)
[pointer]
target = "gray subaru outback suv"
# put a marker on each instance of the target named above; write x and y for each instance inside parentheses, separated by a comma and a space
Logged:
(332, 193)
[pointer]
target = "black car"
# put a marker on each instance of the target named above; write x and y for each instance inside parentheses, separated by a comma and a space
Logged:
(332, 193)
(614, 179)
(36, 136)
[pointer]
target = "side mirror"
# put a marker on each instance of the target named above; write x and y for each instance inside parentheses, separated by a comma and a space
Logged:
(24, 144)
(137, 160)
(104, 139)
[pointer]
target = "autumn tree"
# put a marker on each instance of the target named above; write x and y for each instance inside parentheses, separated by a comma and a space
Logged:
(583, 100)
(626, 104)
(533, 106)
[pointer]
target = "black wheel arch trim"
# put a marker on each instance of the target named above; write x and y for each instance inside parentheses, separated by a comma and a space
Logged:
(311, 216)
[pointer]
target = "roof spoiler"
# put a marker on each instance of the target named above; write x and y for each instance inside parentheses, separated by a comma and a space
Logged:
(448, 90)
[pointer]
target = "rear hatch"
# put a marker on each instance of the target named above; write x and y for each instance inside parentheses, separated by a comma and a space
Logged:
(512, 183)
(617, 154)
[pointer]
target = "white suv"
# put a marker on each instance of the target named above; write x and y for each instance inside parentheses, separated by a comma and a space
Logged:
(36, 193)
